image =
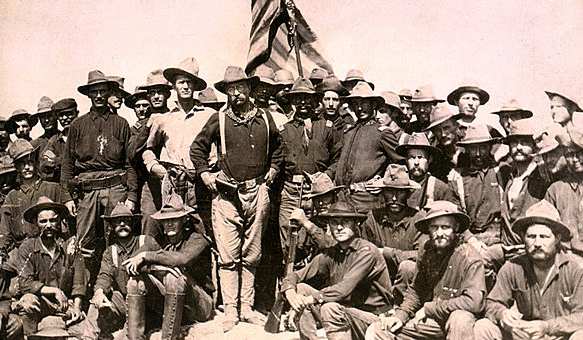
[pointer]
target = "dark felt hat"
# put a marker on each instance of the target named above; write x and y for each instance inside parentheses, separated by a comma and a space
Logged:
(455, 95)
(94, 78)
(442, 208)
(235, 74)
(332, 84)
(341, 209)
(44, 203)
(20, 114)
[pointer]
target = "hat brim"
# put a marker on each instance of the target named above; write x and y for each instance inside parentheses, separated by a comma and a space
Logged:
(515, 135)
(131, 100)
(426, 100)
(84, 89)
(520, 225)
(326, 216)
(167, 87)
(402, 149)
(442, 120)
(379, 100)
(463, 221)
(411, 186)
(551, 94)
(341, 91)
(132, 216)
(50, 334)
(10, 125)
(31, 213)
(523, 113)
(480, 141)
(171, 73)
(213, 105)
(453, 97)
(292, 93)
(320, 194)
(26, 153)
(253, 81)
(548, 149)
(159, 215)
(347, 81)
(7, 171)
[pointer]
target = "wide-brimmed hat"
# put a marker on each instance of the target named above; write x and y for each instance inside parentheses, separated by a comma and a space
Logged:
(20, 148)
(120, 89)
(266, 75)
(318, 75)
(441, 114)
(332, 84)
(51, 327)
(416, 140)
(546, 143)
(424, 94)
(208, 98)
(66, 104)
(174, 207)
(283, 78)
(321, 184)
(364, 90)
(302, 86)
(442, 208)
(405, 94)
(121, 210)
(94, 78)
(355, 75)
(132, 99)
(476, 134)
(44, 106)
(567, 97)
(522, 127)
(234, 74)
(392, 99)
(544, 213)
(44, 203)
(513, 107)
(455, 95)
(341, 209)
(6, 165)
(188, 68)
(19, 115)
(396, 177)
(156, 79)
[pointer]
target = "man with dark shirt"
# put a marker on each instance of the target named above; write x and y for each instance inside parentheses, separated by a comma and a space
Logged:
(448, 289)
(95, 164)
(332, 91)
(48, 120)
(309, 145)
(180, 270)
(52, 156)
(357, 282)
(367, 150)
(250, 156)
(546, 284)
(108, 310)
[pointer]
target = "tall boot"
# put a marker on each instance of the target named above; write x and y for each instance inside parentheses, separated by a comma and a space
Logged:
(136, 316)
(173, 308)
(229, 290)
(248, 297)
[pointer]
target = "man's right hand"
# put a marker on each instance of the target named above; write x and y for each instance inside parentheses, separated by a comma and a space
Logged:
(299, 217)
(510, 319)
(158, 170)
(209, 180)
(297, 301)
(29, 303)
(100, 300)
(390, 323)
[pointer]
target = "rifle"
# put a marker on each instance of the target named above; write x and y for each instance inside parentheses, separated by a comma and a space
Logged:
(274, 317)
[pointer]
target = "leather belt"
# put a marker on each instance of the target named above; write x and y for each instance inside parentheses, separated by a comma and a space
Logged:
(102, 183)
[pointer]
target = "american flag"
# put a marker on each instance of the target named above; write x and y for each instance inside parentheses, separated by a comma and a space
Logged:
(270, 41)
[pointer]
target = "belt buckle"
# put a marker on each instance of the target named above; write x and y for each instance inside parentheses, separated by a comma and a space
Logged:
(297, 178)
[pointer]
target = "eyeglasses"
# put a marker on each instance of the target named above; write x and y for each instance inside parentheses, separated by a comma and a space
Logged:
(239, 87)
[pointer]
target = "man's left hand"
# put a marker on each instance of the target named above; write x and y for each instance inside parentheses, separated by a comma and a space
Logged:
(535, 329)
(420, 317)
(71, 207)
(133, 264)
(270, 176)
(130, 204)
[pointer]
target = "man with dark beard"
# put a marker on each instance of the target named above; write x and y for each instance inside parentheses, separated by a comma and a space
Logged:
(525, 186)
(448, 288)
(309, 145)
(367, 150)
(419, 156)
(52, 156)
(332, 92)
(483, 185)
(545, 284)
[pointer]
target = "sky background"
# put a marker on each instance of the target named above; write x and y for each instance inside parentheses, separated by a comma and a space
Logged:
(512, 48)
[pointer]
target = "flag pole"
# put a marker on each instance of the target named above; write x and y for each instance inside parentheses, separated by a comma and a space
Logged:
(290, 6)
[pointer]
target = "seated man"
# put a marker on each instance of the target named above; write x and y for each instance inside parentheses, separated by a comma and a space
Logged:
(48, 270)
(358, 282)
(546, 284)
(108, 310)
(449, 286)
(392, 227)
(185, 282)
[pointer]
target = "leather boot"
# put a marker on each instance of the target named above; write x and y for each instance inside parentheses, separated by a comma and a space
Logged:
(173, 308)
(248, 297)
(229, 290)
(136, 317)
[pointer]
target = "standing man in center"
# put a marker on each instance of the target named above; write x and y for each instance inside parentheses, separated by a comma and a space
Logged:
(250, 156)
(366, 152)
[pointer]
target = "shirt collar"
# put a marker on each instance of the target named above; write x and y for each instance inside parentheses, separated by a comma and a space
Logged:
(94, 114)
(129, 246)
(196, 108)
(27, 188)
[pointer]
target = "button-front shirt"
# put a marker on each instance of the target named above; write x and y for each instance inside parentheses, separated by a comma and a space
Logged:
(567, 196)
(356, 277)
(173, 133)
(445, 283)
(559, 301)
(98, 142)
(366, 152)
(13, 228)
(319, 155)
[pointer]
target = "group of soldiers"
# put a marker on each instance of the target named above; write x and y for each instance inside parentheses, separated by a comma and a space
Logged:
(414, 219)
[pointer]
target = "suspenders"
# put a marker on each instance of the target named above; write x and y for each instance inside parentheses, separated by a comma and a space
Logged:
(114, 255)
(222, 131)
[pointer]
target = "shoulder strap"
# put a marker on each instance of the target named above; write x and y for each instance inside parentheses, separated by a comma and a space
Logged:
(458, 179)
(222, 132)
(141, 240)
(429, 193)
(114, 255)
(264, 116)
